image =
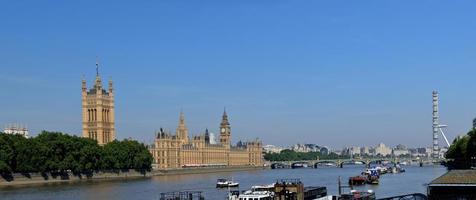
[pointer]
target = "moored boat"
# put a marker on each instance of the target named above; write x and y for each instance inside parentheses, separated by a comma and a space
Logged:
(224, 183)
(299, 165)
(279, 166)
(251, 195)
(269, 187)
(373, 177)
(358, 195)
(324, 164)
(282, 189)
(357, 180)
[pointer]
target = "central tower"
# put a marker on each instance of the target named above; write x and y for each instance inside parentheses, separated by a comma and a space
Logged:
(182, 130)
(98, 111)
(225, 131)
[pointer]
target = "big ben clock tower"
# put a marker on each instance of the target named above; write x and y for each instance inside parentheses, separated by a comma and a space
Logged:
(225, 131)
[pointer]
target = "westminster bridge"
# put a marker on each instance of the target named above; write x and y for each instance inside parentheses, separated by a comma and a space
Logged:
(362, 161)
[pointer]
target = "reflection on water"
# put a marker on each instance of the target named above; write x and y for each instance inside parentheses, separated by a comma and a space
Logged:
(413, 180)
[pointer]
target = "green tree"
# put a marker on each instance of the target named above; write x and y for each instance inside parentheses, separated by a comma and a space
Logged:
(7, 153)
(58, 152)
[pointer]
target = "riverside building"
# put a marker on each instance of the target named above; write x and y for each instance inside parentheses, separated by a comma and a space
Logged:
(180, 151)
(98, 111)
(16, 129)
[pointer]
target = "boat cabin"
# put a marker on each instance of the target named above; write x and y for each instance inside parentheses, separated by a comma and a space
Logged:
(258, 195)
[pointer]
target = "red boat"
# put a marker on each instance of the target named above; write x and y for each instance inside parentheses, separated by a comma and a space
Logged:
(357, 180)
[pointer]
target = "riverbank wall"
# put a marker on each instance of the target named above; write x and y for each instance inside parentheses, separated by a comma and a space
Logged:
(18, 179)
(205, 170)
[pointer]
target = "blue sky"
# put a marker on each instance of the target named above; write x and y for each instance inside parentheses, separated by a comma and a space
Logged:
(334, 73)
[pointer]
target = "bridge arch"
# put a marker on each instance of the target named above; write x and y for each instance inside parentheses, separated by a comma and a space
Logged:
(323, 163)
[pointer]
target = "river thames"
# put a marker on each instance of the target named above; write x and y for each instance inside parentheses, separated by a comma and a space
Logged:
(414, 180)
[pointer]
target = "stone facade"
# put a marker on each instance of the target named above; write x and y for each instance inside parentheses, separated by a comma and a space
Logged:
(98, 112)
(180, 151)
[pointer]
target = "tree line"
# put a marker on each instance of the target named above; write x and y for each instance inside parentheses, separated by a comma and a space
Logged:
(290, 155)
(58, 152)
(462, 152)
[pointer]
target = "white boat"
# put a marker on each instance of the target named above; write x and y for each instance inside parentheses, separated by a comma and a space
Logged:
(224, 183)
(251, 195)
(256, 188)
(329, 197)
(358, 163)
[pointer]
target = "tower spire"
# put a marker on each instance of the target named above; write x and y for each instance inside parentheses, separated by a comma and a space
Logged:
(224, 120)
(182, 131)
(97, 66)
(182, 118)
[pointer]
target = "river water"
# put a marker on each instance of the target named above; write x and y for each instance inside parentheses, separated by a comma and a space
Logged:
(414, 180)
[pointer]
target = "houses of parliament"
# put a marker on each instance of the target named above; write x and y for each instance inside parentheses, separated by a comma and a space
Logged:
(169, 151)
(180, 151)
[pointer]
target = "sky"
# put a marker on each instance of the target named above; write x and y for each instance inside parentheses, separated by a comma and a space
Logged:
(334, 73)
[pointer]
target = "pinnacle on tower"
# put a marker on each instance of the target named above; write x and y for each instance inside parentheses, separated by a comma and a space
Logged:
(83, 85)
(224, 120)
(97, 66)
(182, 131)
(181, 126)
(111, 89)
(98, 83)
(181, 119)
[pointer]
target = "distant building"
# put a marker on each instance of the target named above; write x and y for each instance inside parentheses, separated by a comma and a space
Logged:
(382, 150)
(338, 152)
(443, 151)
(351, 151)
(365, 151)
(401, 147)
(16, 129)
(354, 150)
(400, 150)
(306, 148)
(421, 150)
(272, 149)
(300, 148)
(429, 151)
(98, 111)
(414, 152)
(324, 151)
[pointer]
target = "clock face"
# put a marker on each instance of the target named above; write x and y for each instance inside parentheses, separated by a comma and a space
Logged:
(223, 130)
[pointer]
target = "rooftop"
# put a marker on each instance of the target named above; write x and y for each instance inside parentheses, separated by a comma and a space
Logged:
(456, 177)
